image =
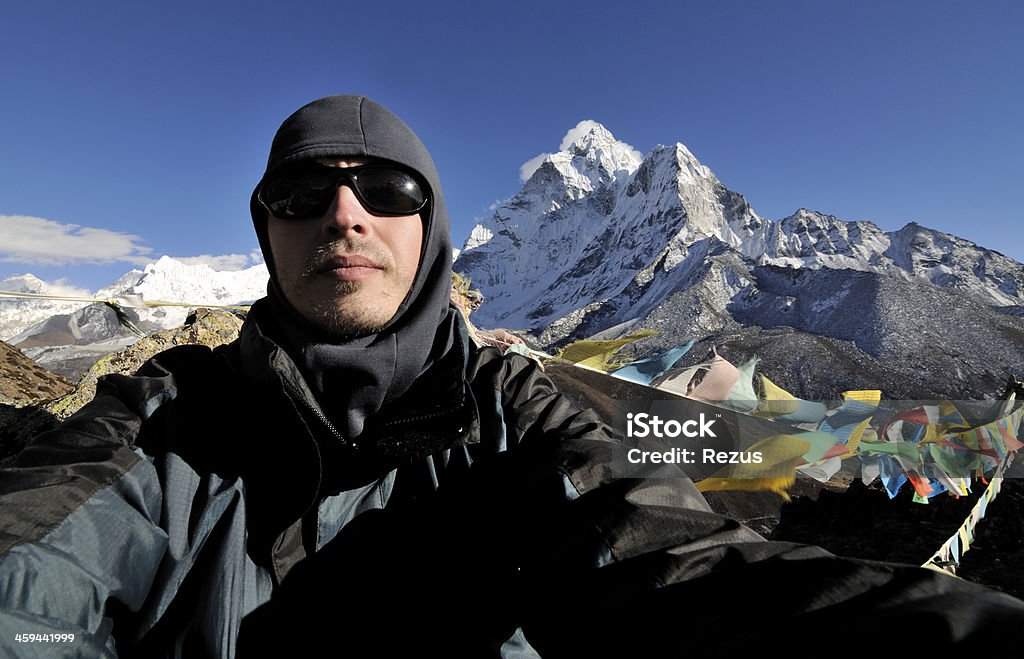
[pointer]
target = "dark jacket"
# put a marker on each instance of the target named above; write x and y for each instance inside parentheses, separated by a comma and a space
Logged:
(178, 500)
(478, 516)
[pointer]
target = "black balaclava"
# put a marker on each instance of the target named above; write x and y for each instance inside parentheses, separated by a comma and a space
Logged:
(353, 378)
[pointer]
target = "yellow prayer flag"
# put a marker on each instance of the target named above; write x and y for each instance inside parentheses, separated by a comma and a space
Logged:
(598, 354)
(775, 401)
(780, 456)
(873, 396)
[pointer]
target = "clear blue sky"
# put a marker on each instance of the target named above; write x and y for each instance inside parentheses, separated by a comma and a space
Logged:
(154, 119)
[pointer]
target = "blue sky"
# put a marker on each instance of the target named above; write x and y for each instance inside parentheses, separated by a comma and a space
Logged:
(133, 129)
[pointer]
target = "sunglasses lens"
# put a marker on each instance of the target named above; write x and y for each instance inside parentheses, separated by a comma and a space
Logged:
(390, 191)
(299, 194)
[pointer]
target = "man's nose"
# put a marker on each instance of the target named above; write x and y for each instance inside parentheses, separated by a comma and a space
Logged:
(345, 215)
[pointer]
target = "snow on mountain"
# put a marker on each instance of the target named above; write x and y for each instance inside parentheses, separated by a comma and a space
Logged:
(810, 239)
(594, 223)
(596, 247)
(169, 280)
(68, 337)
(579, 231)
(18, 314)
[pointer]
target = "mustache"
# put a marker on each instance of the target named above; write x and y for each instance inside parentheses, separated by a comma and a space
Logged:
(323, 254)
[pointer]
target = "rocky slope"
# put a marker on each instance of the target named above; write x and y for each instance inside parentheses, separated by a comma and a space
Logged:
(23, 382)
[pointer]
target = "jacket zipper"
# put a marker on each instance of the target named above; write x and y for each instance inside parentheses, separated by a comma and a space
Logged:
(296, 395)
(426, 416)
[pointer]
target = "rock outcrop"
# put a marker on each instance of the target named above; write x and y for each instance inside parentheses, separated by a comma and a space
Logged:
(23, 382)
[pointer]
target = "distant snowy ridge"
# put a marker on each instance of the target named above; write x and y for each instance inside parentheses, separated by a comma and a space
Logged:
(165, 280)
(593, 222)
(169, 280)
(18, 314)
(68, 337)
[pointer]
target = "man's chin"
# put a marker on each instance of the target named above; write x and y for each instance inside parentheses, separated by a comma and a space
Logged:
(345, 323)
(344, 309)
(348, 331)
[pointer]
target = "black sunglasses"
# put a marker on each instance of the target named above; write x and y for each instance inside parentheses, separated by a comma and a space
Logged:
(306, 191)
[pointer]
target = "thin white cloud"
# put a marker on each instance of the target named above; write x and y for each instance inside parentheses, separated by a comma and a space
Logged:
(530, 166)
(221, 262)
(38, 241)
(63, 287)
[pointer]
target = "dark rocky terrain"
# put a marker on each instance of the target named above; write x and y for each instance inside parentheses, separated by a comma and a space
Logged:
(820, 332)
(862, 521)
(23, 382)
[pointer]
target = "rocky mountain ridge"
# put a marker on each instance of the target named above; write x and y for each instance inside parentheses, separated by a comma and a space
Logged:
(579, 231)
(584, 251)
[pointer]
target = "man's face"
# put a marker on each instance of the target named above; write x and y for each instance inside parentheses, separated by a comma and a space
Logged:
(349, 270)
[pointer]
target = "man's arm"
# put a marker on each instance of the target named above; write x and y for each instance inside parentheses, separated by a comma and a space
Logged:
(616, 565)
(79, 530)
(539, 540)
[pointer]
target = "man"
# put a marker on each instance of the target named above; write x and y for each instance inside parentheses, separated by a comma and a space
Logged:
(350, 474)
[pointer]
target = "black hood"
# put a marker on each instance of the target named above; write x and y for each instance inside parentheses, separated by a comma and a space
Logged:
(338, 126)
(353, 378)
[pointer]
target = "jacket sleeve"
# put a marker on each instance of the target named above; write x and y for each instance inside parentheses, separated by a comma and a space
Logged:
(79, 527)
(641, 566)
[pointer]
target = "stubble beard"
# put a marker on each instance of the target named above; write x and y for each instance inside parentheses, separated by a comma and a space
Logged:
(340, 318)
(339, 312)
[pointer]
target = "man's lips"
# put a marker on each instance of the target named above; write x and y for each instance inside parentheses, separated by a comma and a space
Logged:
(348, 267)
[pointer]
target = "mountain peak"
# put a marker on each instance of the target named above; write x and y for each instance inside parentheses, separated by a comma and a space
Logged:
(596, 239)
(170, 264)
(593, 142)
(807, 212)
(588, 135)
(26, 283)
(587, 150)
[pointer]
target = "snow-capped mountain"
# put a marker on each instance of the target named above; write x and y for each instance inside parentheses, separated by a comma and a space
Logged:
(67, 337)
(18, 314)
(592, 219)
(173, 281)
(596, 246)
